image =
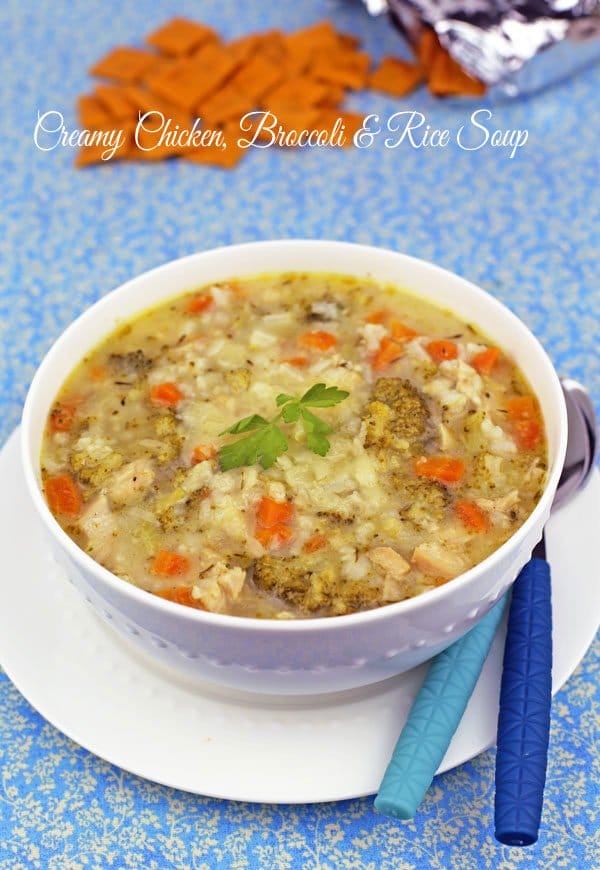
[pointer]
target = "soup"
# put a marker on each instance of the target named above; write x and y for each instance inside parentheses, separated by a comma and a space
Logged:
(292, 446)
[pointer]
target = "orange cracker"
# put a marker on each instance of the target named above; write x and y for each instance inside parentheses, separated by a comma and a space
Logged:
(242, 48)
(396, 77)
(145, 101)
(303, 45)
(225, 105)
(257, 76)
(352, 122)
(298, 91)
(447, 78)
(192, 80)
(180, 36)
(427, 48)
(215, 155)
(347, 68)
(92, 113)
(125, 64)
(335, 96)
(90, 154)
(115, 101)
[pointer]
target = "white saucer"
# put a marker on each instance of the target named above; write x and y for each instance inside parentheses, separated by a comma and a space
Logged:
(228, 744)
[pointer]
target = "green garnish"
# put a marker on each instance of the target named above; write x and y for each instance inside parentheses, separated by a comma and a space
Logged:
(266, 441)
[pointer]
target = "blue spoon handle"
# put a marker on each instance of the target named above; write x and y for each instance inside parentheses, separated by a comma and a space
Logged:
(434, 718)
(524, 717)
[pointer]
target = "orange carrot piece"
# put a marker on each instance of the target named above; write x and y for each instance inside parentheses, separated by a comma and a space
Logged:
(401, 332)
(471, 516)
(63, 495)
(317, 542)
(522, 408)
(197, 304)
(62, 415)
(442, 350)
(169, 564)
(380, 316)
(180, 595)
(167, 394)
(388, 352)
(528, 433)
(270, 513)
(523, 411)
(297, 361)
(98, 373)
(485, 361)
(202, 453)
(274, 536)
(317, 340)
(446, 469)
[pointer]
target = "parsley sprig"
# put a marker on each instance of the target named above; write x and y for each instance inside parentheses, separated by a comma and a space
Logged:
(266, 440)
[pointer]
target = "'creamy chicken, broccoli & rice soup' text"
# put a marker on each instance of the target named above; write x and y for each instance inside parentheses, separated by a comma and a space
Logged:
(293, 445)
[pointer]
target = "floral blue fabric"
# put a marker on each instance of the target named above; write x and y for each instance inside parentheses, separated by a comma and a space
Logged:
(525, 228)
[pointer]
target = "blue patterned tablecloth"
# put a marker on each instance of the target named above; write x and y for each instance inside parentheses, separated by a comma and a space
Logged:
(527, 229)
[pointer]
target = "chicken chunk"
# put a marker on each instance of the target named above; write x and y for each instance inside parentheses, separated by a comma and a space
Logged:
(131, 482)
(436, 560)
(389, 561)
(218, 587)
(99, 525)
(396, 411)
(394, 568)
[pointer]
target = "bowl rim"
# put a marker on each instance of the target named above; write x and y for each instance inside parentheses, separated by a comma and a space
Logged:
(291, 626)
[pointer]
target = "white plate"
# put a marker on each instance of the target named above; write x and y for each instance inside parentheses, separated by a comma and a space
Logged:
(124, 708)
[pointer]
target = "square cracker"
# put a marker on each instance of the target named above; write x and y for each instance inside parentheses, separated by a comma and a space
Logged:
(190, 81)
(396, 77)
(349, 69)
(214, 155)
(125, 64)
(180, 36)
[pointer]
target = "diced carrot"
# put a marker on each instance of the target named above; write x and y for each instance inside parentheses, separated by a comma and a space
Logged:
(401, 332)
(297, 361)
(387, 353)
(315, 543)
(471, 516)
(167, 394)
(380, 316)
(180, 595)
(63, 495)
(270, 513)
(169, 564)
(317, 340)
(443, 468)
(522, 408)
(528, 433)
(203, 452)
(197, 304)
(98, 373)
(273, 536)
(63, 414)
(485, 361)
(524, 413)
(442, 350)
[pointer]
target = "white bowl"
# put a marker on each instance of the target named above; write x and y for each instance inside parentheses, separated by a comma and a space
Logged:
(314, 655)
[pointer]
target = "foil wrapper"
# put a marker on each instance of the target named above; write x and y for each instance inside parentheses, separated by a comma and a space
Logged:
(515, 46)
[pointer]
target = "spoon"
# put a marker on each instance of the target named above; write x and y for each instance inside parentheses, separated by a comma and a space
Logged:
(526, 687)
(452, 675)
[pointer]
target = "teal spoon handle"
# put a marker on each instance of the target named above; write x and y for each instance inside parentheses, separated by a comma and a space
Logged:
(434, 718)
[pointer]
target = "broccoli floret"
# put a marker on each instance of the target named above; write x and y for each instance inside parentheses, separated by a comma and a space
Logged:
(396, 411)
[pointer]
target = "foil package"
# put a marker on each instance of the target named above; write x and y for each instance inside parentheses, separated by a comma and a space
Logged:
(516, 47)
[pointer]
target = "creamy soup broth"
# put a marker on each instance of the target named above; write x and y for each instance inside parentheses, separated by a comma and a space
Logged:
(437, 452)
